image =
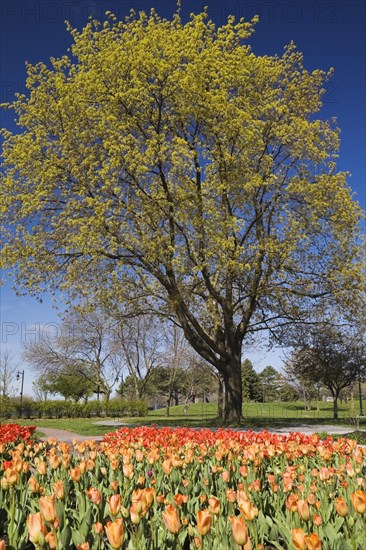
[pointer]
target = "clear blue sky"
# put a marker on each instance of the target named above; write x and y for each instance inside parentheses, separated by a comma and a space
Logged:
(329, 33)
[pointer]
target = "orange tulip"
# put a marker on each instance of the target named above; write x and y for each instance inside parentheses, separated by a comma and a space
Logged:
(128, 470)
(317, 519)
(35, 527)
(141, 481)
(167, 466)
(225, 476)
(11, 476)
(94, 495)
(4, 484)
(47, 505)
(360, 481)
(114, 502)
(241, 495)
(114, 532)
(42, 468)
(98, 528)
(33, 485)
(313, 542)
(298, 539)
(231, 495)
(59, 489)
(204, 521)
(2, 544)
(138, 500)
(83, 546)
(51, 540)
(240, 533)
(359, 501)
(178, 499)
(54, 461)
(75, 474)
(153, 456)
(149, 495)
(291, 502)
(139, 455)
(171, 519)
(324, 473)
(341, 507)
(135, 515)
(214, 505)
(303, 509)
(248, 510)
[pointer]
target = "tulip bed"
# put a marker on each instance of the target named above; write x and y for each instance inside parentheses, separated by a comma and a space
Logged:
(150, 488)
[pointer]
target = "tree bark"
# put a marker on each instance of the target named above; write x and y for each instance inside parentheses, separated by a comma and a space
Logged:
(220, 398)
(168, 401)
(233, 391)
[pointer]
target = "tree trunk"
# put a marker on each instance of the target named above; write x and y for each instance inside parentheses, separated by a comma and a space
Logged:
(168, 401)
(220, 398)
(233, 392)
(335, 407)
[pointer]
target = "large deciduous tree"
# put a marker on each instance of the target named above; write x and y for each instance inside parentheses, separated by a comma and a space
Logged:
(167, 161)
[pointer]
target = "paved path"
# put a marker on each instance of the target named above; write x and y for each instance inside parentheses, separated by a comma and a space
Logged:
(68, 436)
(65, 435)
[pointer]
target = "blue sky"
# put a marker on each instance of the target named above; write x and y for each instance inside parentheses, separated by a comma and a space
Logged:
(329, 33)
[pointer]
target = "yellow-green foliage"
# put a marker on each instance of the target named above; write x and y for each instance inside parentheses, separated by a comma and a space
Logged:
(169, 156)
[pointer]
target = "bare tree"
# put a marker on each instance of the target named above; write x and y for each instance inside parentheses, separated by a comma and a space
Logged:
(7, 373)
(40, 390)
(85, 347)
(139, 340)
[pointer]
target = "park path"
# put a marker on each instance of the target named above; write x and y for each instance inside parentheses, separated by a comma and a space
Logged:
(65, 435)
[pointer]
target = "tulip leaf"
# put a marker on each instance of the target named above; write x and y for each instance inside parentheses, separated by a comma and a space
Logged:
(65, 536)
(338, 523)
(85, 525)
(77, 538)
(331, 534)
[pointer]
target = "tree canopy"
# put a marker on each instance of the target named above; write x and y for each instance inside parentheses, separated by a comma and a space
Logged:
(165, 162)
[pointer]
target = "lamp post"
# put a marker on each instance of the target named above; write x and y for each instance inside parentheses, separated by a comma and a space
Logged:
(360, 394)
(20, 373)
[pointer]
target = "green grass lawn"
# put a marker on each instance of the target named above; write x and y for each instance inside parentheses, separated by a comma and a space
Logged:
(256, 415)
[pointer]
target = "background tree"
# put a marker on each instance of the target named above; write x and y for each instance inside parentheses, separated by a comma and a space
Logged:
(270, 382)
(200, 382)
(85, 348)
(306, 389)
(7, 373)
(68, 384)
(287, 392)
(140, 341)
(333, 357)
(171, 376)
(40, 389)
(165, 162)
(252, 390)
(7, 376)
